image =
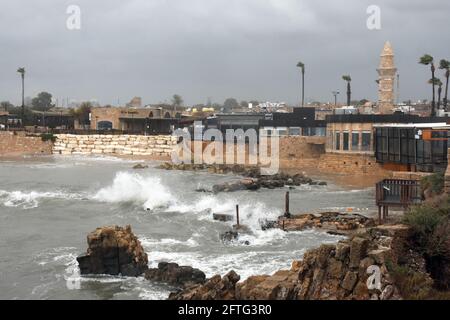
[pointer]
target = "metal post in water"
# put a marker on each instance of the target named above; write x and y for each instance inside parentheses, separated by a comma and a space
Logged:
(237, 215)
(287, 214)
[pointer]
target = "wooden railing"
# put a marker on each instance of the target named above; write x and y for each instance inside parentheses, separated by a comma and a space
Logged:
(396, 193)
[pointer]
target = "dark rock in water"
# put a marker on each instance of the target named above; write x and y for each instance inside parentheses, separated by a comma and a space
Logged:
(175, 275)
(140, 166)
(229, 236)
(113, 250)
(223, 217)
(322, 183)
(268, 224)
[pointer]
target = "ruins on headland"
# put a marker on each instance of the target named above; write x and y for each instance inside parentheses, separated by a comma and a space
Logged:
(386, 80)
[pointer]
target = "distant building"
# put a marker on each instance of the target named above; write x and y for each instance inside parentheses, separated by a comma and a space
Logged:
(300, 122)
(135, 120)
(355, 133)
(413, 147)
(136, 102)
(55, 118)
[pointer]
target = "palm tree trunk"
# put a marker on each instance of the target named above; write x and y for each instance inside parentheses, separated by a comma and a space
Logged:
(349, 94)
(303, 89)
(433, 102)
(446, 90)
(439, 97)
(23, 100)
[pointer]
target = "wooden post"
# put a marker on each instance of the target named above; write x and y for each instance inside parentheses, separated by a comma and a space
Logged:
(287, 214)
(379, 215)
(237, 215)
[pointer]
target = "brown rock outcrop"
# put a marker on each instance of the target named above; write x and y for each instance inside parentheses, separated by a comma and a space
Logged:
(113, 250)
(337, 222)
(216, 288)
(330, 272)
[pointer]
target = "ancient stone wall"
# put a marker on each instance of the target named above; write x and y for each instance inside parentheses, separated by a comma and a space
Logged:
(68, 144)
(19, 143)
(351, 164)
(301, 152)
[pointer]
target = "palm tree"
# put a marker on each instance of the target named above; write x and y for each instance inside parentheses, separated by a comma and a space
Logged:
(445, 65)
(349, 88)
(438, 83)
(301, 65)
(429, 60)
(22, 73)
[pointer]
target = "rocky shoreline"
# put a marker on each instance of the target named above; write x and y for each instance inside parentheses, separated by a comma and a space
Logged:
(253, 179)
(330, 272)
(347, 270)
(331, 222)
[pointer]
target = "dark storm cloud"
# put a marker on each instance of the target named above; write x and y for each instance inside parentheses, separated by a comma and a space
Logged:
(214, 48)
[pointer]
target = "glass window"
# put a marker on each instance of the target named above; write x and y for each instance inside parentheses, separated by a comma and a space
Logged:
(346, 140)
(365, 141)
(355, 141)
(294, 131)
(282, 131)
(321, 131)
(337, 140)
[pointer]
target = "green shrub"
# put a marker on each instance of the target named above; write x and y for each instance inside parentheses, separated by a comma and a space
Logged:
(433, 183)
(412, 285)
(48, 137)
(430, 224)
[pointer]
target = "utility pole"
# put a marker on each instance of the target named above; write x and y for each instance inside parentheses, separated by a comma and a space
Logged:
(335, 94)
(22, 74)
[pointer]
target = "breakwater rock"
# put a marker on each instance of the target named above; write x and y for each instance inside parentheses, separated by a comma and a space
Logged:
(333, 222)
(113, 250)
(353, 269)
(253, 179)
(175, 275)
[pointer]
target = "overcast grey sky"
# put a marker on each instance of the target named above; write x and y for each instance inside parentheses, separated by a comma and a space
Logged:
(245, 49)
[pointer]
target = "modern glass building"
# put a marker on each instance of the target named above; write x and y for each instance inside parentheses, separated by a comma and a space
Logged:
(413, 147)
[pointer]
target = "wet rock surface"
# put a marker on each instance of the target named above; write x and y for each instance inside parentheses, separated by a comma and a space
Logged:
(335, 222)
(215, 288)
(329, 272)
(113, 250)
(140, 166)
(175, 275)
(253, 179)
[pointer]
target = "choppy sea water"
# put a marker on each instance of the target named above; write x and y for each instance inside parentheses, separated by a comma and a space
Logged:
(49, 204)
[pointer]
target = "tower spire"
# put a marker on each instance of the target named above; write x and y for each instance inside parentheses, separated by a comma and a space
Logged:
(386, 83)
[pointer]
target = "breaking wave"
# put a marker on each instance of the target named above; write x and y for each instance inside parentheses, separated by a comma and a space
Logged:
(130, 187)
(31, 199)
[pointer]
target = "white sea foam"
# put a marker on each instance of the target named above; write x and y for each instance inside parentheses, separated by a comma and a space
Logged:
(251, 214)
(95, 158)
(131, 187)
(167, 242)
(30, 199)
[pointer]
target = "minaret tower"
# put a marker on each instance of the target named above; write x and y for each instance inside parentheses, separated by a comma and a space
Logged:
(386, 72)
